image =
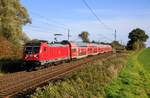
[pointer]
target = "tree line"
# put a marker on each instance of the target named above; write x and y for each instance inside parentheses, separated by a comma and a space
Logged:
(137, 37)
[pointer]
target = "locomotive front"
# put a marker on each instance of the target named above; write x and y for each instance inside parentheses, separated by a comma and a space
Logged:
(31, 53)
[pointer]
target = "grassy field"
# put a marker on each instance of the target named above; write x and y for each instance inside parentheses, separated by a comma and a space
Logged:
(88, 82)
(144, 59)
(134, 80)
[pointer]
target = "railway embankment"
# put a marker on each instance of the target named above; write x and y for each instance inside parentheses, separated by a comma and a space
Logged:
(89, 81)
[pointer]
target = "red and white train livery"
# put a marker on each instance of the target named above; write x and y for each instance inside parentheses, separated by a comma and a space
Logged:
(43, 52)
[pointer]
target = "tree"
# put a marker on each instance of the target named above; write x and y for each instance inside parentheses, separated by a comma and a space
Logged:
(35, 40)
(84, 36)
(93, 41)
(24, 37)
(12, 17)
(137, 38)
(116, 44)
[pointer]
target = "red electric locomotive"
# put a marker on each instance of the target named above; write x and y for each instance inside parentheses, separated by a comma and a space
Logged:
(43, 52)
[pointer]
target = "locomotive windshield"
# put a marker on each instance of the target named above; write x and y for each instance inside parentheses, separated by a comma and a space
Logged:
(32, 49)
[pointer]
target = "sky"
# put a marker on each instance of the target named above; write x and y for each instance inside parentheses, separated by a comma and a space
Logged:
(50, 17)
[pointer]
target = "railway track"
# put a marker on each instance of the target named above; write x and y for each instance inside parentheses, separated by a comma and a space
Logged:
(11, 85)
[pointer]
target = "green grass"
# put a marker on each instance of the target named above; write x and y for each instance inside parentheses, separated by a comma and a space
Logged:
(88, 82)
(134, 80)
(144, 59)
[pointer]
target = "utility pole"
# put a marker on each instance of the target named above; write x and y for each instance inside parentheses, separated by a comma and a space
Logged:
(115, 35)
(69, 34)
(121, 42)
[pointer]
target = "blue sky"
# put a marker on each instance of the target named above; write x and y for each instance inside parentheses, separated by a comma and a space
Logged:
(56, 16)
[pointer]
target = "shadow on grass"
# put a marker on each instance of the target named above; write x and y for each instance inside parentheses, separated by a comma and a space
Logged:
(10, 66)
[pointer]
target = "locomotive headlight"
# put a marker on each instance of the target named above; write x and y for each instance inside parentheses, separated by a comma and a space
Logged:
(26, 56)
(36, 56)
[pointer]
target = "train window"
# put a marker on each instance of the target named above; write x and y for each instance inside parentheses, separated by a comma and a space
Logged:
(73, 50)
(36, 49)
(44, 48)
(28, 49)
